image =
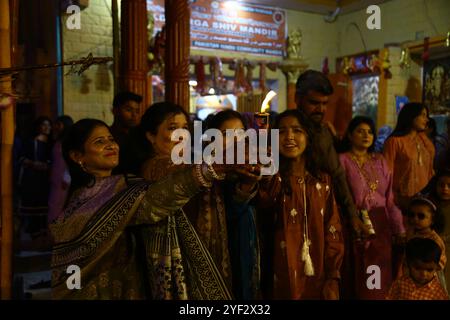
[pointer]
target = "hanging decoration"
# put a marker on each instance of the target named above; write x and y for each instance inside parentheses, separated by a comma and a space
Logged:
(426, 49)
(243, 74)
(262, 77)
(156, 52)
(447, 40)
(405, 58)
(76, 66)
(347, 66)
(249, 66)
(6, 101)
(386, 65)
(325, 68)
(200, 76)
(367, 62)
(239, 75)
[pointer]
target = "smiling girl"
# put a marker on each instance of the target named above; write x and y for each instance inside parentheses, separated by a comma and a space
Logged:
(307, 246)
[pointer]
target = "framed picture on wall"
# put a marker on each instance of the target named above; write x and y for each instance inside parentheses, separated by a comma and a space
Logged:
(436, 88)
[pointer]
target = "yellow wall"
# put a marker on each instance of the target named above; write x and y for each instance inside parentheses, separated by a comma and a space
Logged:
(400, 20)
(91, 94)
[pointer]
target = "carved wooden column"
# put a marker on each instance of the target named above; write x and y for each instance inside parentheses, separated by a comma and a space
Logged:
(134, 49)
(292, 68)
(177, 52)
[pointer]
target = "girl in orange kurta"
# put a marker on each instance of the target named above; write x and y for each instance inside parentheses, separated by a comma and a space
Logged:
(307, 245)
(409, 153)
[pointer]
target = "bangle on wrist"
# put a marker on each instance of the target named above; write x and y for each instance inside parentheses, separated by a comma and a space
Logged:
(214, 173)
(200, 177)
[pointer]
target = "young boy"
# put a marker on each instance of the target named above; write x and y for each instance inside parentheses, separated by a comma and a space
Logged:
(422, 257)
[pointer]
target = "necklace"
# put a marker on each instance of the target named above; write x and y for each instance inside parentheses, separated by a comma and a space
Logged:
(419, 151)
(372, 182)
(360, 160)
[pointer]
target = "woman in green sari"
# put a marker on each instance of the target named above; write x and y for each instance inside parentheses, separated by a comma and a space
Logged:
(100, 230)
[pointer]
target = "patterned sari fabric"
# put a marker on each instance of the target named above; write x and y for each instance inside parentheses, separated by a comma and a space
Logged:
(206, 211)
(132, 242)
(234, 249)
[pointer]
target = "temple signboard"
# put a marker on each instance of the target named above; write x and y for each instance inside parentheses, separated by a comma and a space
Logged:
(231, 26)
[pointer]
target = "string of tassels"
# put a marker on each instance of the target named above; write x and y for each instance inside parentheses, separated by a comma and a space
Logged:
(306, 256)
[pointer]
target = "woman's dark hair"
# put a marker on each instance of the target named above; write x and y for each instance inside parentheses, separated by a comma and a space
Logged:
(153, 117)
(432, 126)
(406, 117)
(37, 124)
(286, 164)
(346, 145)
(75, 139)
(422, 249)
(219, 118)
(67, 122)
(122, 97)
(438, 219)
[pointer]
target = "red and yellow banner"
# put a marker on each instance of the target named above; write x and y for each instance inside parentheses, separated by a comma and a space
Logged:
(232, 26)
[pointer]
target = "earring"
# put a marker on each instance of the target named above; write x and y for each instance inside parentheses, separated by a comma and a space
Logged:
(82, 165)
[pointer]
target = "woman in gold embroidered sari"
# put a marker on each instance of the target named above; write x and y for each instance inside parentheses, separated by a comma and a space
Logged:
(221, 216)
(99, 231)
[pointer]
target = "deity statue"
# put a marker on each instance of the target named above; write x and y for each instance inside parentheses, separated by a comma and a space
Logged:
(437, 78)
(294, 44)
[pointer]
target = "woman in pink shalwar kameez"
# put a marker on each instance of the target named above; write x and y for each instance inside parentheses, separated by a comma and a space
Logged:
(370, 180)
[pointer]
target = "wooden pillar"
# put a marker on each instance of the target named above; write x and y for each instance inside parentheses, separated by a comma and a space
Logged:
(291, 95)
(116, 44)
(177, 14)
(134, 49)
(6, 166)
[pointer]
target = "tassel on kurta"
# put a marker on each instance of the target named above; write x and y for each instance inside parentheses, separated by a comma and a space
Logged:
(306, 257)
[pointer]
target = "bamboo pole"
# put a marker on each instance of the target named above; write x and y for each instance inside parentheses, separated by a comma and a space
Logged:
(84, 63)
(116, 44)
(7, 139)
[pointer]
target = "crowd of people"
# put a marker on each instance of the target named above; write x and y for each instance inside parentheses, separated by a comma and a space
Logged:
(142, 227)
